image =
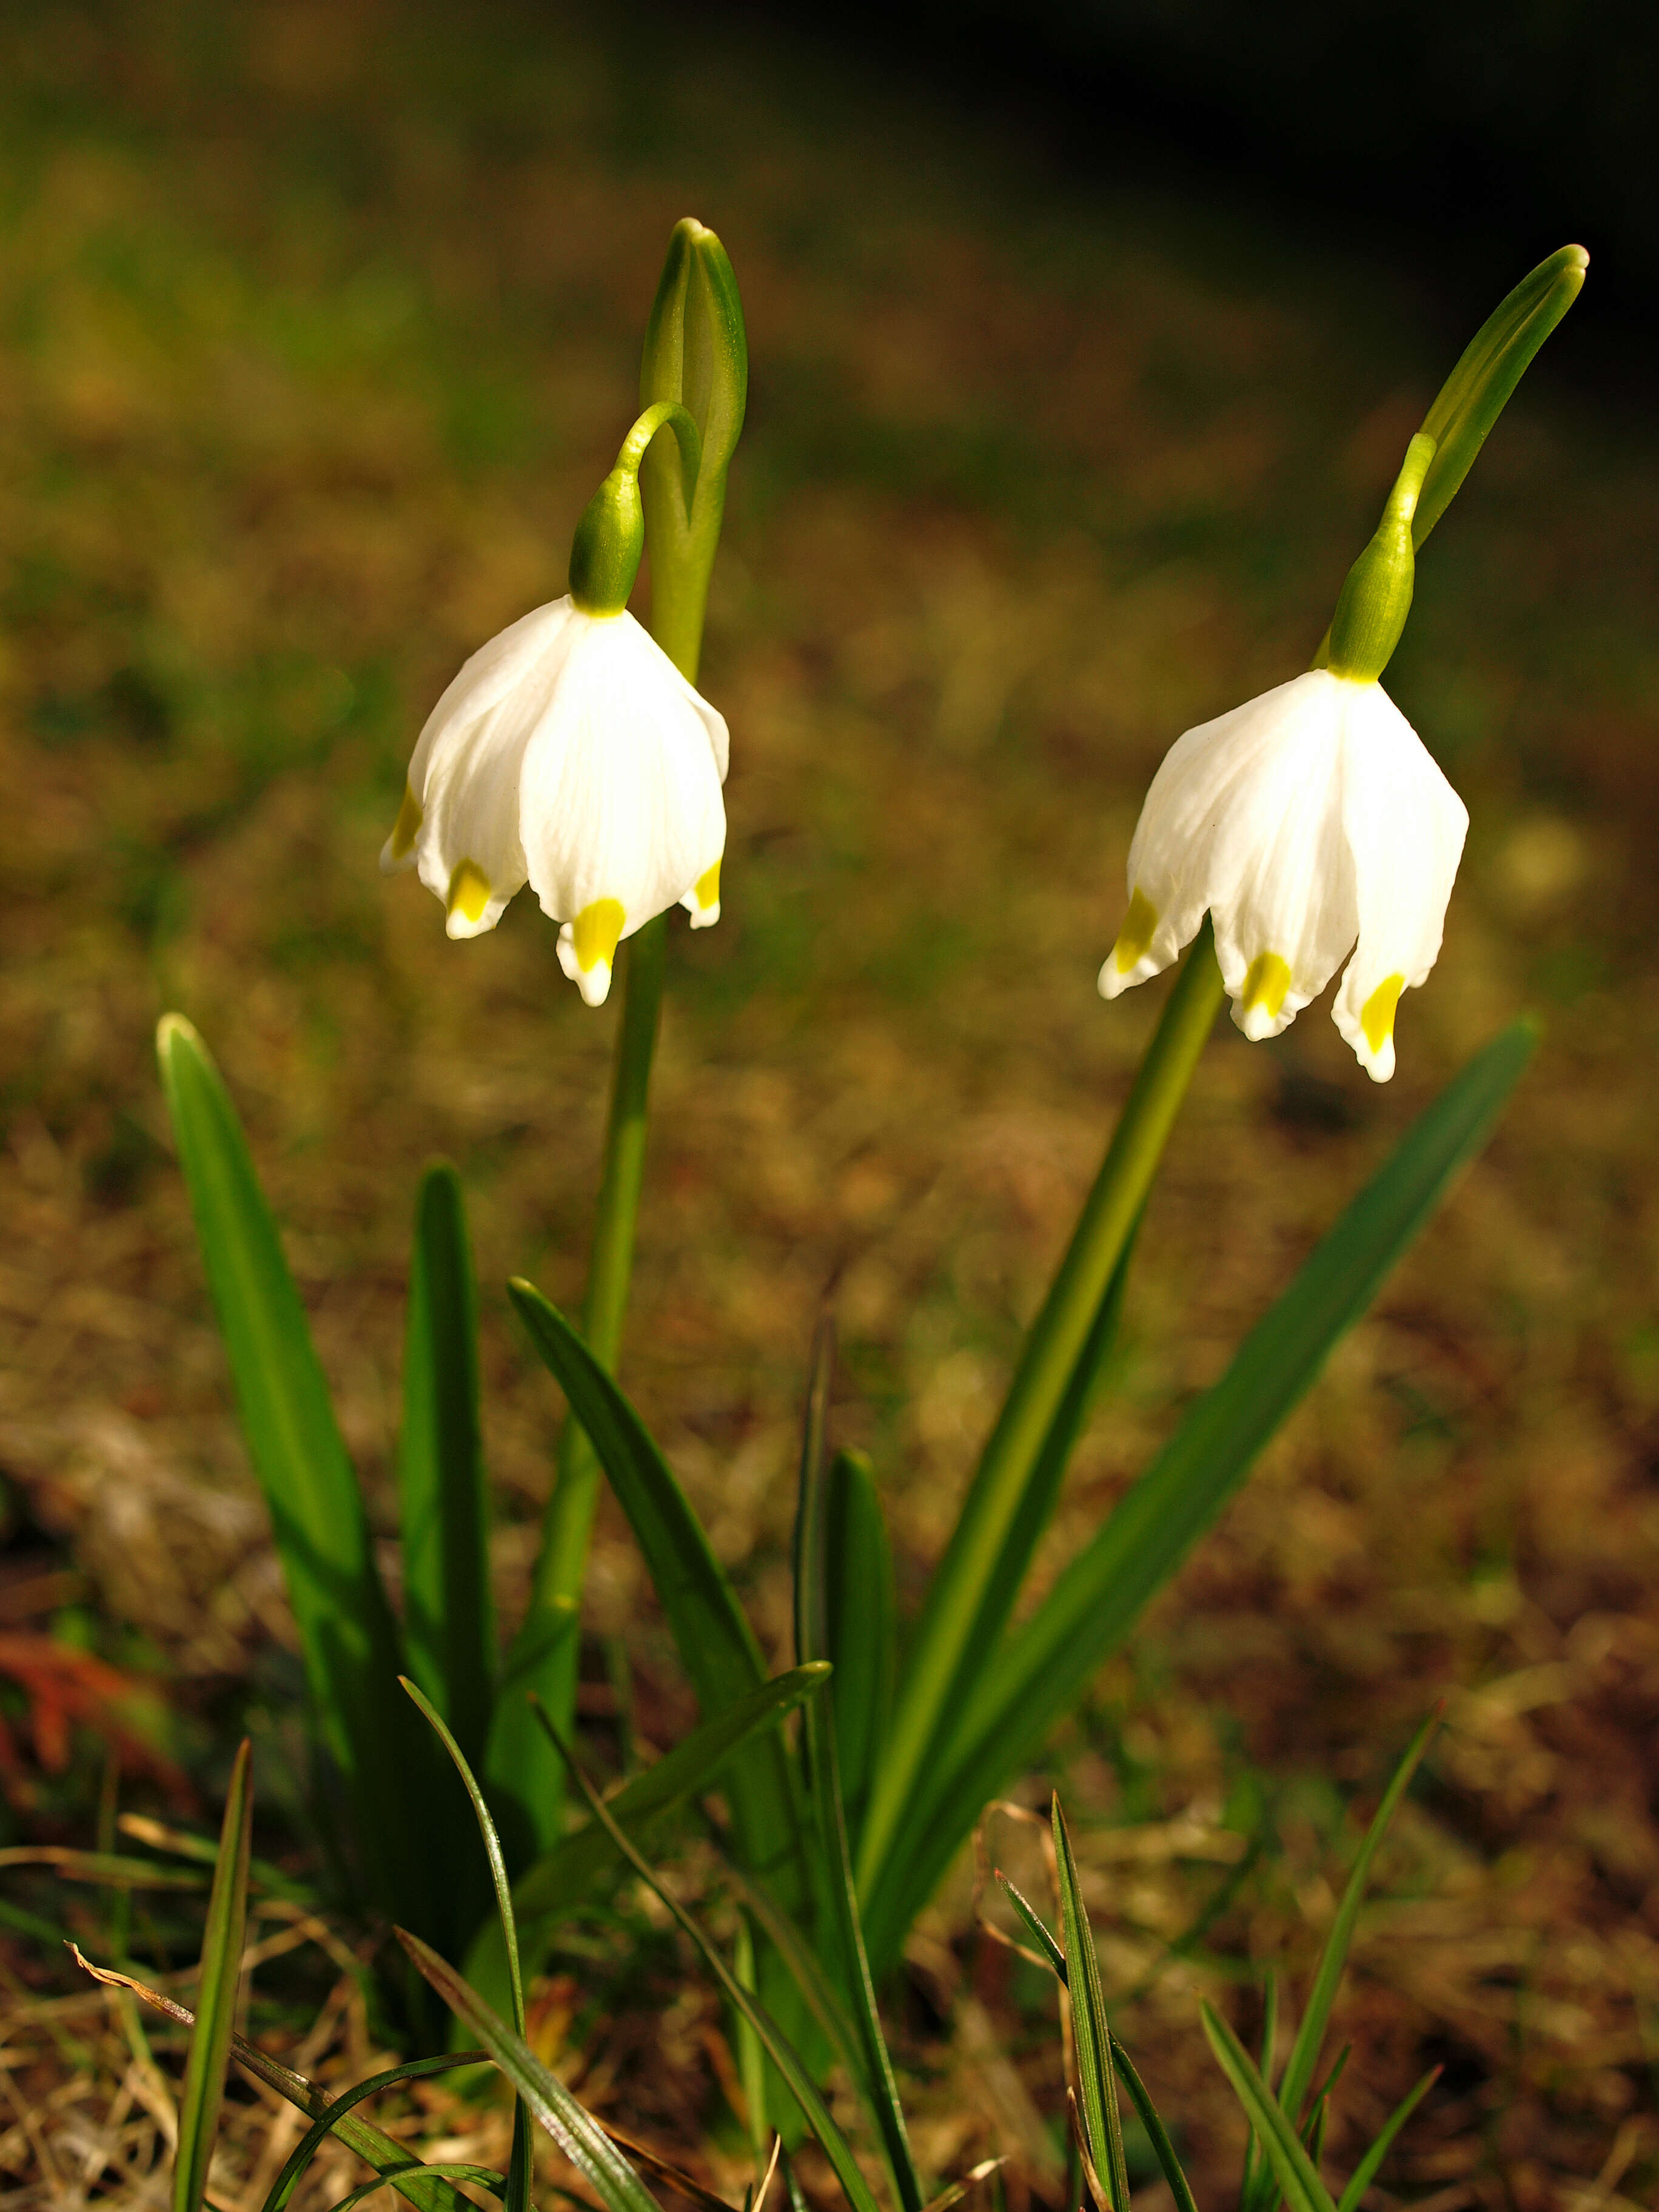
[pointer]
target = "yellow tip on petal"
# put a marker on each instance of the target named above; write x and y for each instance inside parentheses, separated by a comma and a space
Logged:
(702, 901)
(469, 890)
(596, 931)
(1377, 1015)
(1265, 985)
(406, 828)
(1136, 933)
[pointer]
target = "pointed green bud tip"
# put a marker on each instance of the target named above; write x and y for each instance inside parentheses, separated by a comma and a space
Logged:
(1377, 595)
(697, 350)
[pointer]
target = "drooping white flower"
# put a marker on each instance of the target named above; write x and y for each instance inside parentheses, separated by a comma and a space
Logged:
(1312, 817)
(568, 752)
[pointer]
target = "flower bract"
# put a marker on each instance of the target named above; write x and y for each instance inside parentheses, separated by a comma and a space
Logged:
(1307, 819)
(570, 753)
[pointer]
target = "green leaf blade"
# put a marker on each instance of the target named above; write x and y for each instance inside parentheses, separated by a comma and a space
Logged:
(1091, 2033)
(1042, 1668)
(861, 1626)
(216, 2002)
(1294, 2170)
(443, 1505)
(578, 2134)
(352, 1651)
(715, 1642)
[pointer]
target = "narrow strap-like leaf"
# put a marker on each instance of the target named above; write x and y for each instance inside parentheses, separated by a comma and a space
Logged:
(861, 1626)
(485, 2176)
(1298, 2177)
(1033, 1919)
(782, 2054)
(518, 2180)
(1163, 2150)
(351, 1647)
(216, 1999)
(1097, 1598)
(443, 1507)
(426, 2192)
(1091, 2035)
(575, 2130)
(875, 2072)
(415, 2070)
(1334, 1959)
(1365, 2172)
(715, 1642)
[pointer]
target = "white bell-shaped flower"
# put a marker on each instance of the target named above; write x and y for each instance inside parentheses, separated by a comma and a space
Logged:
(571, 753)
(1312, 817)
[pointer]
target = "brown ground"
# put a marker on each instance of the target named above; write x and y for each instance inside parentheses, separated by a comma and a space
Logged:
(316, 327)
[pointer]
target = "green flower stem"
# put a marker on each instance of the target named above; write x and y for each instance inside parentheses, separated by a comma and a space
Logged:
(570, 1510)
(945, 1652)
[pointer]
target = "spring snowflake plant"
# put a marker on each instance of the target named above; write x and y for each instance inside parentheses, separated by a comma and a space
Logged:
(574, 753)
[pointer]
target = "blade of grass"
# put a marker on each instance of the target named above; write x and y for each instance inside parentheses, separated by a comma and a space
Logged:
(350, 1642)
(383, 2152)
(1298, 2179)
(1044, 1664)
(1365, 2172)
(443, 1507)
(1028, 1912)
(1334, 1959)
(216, 2001)
(1269, 2038)
(485, 2176)
(517, 2176)
(875, 2074)
(1092, 2034)
(1163, 2150)
(575, 2130)
(778, 2050)
(316, 2135)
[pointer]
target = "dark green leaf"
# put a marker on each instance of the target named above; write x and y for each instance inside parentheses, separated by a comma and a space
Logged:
(813, 1615)
(352, 1652)
(715, 1642)
(443, 1507)
(861, 1626)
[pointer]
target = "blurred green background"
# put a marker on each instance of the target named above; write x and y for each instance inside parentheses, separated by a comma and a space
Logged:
(318, 324)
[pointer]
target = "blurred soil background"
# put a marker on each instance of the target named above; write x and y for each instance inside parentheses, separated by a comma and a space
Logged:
(317, 324)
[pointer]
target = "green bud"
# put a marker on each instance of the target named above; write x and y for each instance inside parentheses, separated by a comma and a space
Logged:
(1377, 595)
(604, 553)
(696, 354)
(696, 351)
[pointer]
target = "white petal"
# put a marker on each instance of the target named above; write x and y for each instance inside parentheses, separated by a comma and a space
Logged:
(1281, 882)
(1405, 826)
(620, 789)
(464, 775)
